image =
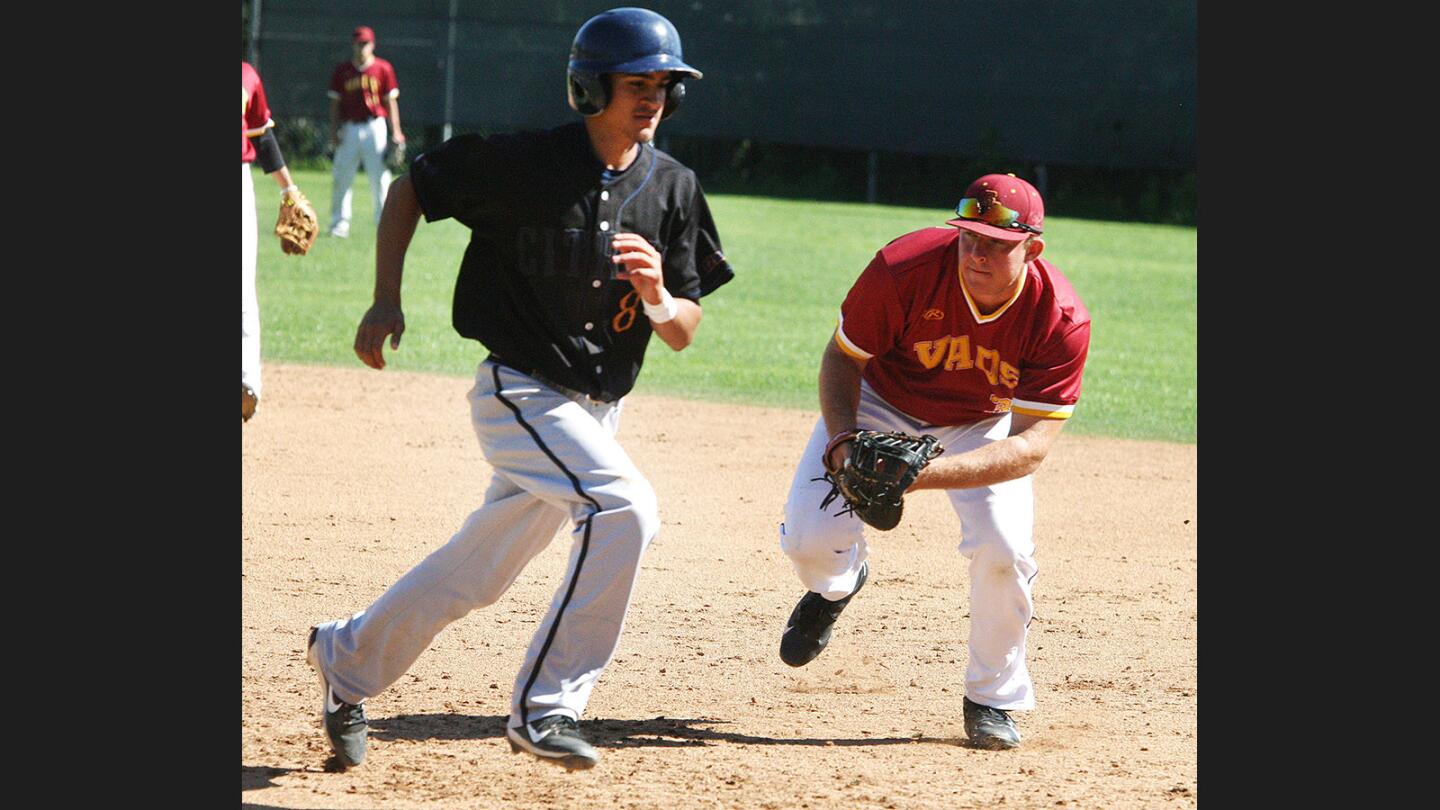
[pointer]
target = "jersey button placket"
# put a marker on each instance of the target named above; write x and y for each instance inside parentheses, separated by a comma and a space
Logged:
(603, 212)
(603, 215)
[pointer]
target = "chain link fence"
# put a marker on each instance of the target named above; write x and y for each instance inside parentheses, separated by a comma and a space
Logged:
(898, 101)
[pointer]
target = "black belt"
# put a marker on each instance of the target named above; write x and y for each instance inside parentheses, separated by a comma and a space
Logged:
(531, 372)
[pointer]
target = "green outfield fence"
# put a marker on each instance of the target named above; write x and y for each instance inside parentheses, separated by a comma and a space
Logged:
(885, 101)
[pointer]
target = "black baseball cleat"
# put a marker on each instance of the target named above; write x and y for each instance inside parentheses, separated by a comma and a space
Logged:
(808, 630)
(556, 739)
(990, 728)
(345, 723)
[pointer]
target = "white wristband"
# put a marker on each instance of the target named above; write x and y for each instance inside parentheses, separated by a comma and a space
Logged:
(288, 189)
(663, 311)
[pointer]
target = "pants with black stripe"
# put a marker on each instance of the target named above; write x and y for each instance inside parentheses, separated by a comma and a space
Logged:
(555, 457)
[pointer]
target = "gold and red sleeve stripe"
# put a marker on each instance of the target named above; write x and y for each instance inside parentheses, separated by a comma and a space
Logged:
(1044, 410)
(845, 344)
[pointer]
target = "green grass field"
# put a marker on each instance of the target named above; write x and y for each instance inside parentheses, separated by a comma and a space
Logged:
(763, 333)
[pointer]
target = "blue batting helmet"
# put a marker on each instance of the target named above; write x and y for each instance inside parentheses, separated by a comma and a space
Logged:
(623, 40)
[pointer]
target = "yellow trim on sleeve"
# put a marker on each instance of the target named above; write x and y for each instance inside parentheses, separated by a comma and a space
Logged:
(250, 133)
(846, 349)
(1060, 414)
(844, 343)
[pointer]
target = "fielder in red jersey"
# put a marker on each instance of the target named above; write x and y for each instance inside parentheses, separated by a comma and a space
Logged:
(254, 111)
(364, 92)
(941, 358)
(257, 146)
(963, 332)
(364, 95)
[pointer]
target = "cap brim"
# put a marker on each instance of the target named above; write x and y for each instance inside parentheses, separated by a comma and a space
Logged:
(992, 231)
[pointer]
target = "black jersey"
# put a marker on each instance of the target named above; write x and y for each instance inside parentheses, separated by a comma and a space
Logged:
(537, 286)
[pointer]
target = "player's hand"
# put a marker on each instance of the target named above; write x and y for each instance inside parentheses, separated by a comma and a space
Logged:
(380, 320)
(642, 265)
(398, 137)
(839, 456)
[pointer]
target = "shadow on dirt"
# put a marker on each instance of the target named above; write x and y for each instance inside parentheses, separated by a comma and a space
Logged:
(253, 777)
(658, 732)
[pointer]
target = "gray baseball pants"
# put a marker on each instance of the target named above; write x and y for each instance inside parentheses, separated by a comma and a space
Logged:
(555, 457)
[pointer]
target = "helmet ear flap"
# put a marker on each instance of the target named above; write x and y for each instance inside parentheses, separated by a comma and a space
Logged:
(673, 97)
(587, 92)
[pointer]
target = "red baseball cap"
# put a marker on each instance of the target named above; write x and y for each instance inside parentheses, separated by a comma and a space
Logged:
(1001, 206)
(363, 34)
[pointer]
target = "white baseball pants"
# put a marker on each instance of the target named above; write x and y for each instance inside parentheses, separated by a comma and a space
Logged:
(555, 457)
(249, 303)
(360, 141)
(996, 524)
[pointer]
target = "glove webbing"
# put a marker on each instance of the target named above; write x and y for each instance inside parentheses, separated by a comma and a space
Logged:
(834, 493)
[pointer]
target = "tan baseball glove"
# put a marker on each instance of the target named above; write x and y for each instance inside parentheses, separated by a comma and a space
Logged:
(297, 226)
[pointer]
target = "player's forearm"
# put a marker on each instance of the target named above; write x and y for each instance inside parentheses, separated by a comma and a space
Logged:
(397, 226)
(1012, 457)
(334, 118)
(268, 155)
(679, 331)
(839, 390)
(396, 133)
(282, 178)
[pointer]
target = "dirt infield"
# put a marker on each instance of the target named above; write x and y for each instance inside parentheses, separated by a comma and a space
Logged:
(351, 476)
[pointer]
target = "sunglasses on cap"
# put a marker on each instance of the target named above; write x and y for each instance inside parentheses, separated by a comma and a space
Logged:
(992, 214)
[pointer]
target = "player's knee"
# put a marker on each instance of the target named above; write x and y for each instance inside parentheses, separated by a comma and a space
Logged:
(630, 498)
(1003, 561)
(815, 537)
(802, 523)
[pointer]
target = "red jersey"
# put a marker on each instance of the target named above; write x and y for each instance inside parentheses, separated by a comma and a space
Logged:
(254, 111)
(933, 354)
(363, 93)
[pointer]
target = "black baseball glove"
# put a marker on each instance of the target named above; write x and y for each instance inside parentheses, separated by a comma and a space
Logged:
(880, 468)
(395, 156)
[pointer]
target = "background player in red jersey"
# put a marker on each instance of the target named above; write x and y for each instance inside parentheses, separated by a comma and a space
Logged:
(965, 333)
(364, 93)
(257, 145)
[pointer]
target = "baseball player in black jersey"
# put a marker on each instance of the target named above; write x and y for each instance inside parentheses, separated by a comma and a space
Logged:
(585, 240)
